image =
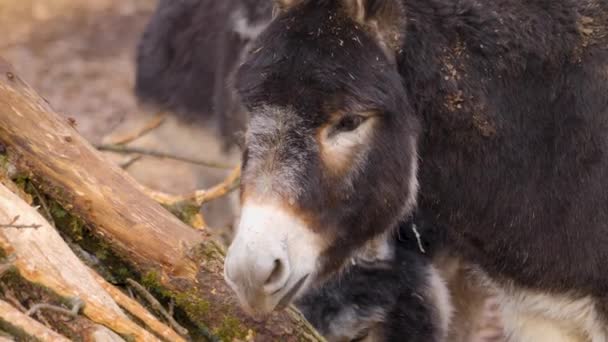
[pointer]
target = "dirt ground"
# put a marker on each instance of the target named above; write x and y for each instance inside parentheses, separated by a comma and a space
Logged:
(80, 56)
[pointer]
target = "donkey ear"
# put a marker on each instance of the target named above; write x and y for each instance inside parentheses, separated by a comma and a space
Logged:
(385, 19)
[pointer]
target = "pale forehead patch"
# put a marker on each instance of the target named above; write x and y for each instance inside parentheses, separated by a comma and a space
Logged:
(274, 158)
(269, 125)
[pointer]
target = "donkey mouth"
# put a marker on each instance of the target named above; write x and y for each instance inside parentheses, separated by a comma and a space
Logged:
(286, 300)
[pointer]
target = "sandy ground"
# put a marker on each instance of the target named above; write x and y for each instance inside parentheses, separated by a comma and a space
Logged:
(80, 56)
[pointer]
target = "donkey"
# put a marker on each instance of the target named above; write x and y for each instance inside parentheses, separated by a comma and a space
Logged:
(187, 52)
(413, 303)
(403, 298)
(491, 115)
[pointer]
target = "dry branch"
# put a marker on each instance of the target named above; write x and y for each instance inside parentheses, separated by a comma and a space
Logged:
(67, 168)
(77, 305)
(135, 309)
(196, 199)
(200, 197)
(163, 155)
(156, 305)
(149, 125)
(32, 327)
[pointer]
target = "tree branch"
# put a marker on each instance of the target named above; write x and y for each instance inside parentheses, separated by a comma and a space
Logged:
(163, 155)
(147, 127)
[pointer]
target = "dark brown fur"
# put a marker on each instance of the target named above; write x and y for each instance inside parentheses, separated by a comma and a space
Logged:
(505, 100)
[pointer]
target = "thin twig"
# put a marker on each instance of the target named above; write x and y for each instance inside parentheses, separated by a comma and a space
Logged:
(45, 206)
(418, 237)
(229, 184)
(148, 126)
(198, 221)
(139, 311)
(40, 317)
(200, 197)
(9, 295)
(21, 226)
(77, 305)
(32, 327)
(13, 224)
(159, 154)
(130, 161)
(171, 308)
(157, 306)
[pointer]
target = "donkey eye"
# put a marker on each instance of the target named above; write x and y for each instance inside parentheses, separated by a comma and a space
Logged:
(349, 123)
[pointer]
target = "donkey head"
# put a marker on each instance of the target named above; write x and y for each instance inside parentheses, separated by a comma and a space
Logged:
(329, 166)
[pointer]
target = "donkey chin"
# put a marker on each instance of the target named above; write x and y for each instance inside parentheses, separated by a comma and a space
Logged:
(272, 259)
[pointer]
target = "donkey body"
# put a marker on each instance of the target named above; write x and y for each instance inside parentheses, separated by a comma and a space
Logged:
(187, 53)
(492, 115)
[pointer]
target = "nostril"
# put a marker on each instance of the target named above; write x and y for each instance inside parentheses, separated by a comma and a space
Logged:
(277, 277)
(276, 272)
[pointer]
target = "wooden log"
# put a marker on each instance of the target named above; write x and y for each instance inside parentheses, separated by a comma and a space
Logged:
(27, 324)
(66, 167)
(43, 257)
(102, 334)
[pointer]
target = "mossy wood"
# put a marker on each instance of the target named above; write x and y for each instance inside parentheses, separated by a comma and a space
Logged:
(184, 262)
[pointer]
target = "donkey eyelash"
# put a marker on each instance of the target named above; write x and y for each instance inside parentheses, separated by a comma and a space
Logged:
(348, 123)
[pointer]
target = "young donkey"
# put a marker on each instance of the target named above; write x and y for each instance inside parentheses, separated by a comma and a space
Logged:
(492, 115)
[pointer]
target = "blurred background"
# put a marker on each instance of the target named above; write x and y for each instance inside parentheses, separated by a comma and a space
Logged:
(80, 56)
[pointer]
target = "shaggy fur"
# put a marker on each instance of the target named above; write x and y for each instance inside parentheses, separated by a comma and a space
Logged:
(505, 102)
(513, 98)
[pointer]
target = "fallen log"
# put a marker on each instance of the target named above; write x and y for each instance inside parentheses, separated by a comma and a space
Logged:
(184, 261)
(42, 257)
(102, 334)
(28, 325)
